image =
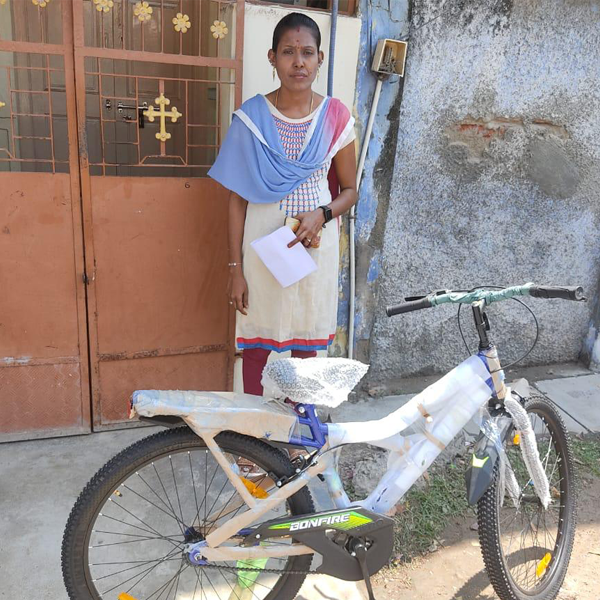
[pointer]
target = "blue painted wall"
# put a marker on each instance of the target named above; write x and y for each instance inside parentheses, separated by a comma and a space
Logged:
(380, 19)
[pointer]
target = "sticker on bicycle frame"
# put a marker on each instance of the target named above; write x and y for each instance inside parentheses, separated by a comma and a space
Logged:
(344, 521)
(478, 463)
(543, 565)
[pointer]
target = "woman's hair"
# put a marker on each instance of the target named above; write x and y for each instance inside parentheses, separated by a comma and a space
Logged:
(292, 21)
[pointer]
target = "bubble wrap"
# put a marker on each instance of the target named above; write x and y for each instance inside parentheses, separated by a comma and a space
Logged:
(324, 381)
(531, 456)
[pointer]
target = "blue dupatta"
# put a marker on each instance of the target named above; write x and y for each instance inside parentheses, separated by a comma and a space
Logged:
(253, 163)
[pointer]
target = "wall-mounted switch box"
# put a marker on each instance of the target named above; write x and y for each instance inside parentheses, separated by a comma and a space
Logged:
(390, 57)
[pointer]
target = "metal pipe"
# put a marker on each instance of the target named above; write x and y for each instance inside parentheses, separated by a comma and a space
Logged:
(332, 37)
(359, 172)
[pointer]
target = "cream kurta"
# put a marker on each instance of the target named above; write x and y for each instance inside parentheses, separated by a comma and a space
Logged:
(302, 316)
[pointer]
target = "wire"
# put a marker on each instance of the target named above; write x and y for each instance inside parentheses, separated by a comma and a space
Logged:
(537, 327)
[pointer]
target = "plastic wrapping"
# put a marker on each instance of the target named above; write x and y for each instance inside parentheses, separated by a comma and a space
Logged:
(324, 381)
(461, 391)
(507, 480)
(212, 412)
(531, 456)
(435, 416)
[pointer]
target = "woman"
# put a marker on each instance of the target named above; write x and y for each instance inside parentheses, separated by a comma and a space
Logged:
(275, 161)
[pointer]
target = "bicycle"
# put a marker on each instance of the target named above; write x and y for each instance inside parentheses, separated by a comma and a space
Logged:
(213, 507)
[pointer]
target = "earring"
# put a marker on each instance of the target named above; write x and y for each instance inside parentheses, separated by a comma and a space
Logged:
(318, 72)
(274, 72)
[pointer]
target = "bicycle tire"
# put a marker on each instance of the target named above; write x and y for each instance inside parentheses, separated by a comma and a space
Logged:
(507, 579)
(75, 562)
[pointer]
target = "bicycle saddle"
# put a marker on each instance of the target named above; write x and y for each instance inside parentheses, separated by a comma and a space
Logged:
(322, 381)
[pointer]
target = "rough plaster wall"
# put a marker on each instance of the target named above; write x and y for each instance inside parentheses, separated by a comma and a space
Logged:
(380, 19)
(497, 177)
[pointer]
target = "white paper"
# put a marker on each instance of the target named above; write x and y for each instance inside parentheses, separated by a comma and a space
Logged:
(288, 265)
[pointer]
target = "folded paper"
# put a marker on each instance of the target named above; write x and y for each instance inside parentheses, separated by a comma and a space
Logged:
(287, 265)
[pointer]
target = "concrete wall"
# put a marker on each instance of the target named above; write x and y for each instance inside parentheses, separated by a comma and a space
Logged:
(496, 180)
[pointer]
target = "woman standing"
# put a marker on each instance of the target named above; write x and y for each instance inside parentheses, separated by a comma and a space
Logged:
(275, 161)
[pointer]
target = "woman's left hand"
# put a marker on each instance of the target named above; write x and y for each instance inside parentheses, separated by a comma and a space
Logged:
(310, 225)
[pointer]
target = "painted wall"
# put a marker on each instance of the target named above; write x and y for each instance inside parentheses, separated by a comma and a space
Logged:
(496, 180)
(380, 19)
(259, 23)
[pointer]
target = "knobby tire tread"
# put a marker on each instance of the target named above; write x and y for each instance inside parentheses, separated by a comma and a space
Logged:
(128, 460)
(488, 520)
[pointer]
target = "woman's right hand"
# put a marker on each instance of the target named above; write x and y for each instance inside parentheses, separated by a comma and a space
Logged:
(238, 290)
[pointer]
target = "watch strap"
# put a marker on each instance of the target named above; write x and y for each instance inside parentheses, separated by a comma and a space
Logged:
(327, 213)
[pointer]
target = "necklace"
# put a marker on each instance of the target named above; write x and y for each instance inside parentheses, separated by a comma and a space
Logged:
(312, 100)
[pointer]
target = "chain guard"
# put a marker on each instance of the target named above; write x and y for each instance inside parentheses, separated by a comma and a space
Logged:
(333, 535)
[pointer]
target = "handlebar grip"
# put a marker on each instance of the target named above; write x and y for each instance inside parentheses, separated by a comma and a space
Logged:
(563, 292)
(408, 307)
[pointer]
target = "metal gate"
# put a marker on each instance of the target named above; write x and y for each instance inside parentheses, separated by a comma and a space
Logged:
(141, 250)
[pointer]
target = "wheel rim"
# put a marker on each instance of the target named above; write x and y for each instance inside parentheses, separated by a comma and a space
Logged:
(135, 545)
(530, 534)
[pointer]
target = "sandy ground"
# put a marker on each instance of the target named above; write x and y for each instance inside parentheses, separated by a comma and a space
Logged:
(455, 571)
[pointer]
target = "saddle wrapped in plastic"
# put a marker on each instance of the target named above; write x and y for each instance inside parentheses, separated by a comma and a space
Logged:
(324, 381)
(212, 412)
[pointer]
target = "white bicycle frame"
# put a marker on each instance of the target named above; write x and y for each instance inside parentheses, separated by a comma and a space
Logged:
(435, 416)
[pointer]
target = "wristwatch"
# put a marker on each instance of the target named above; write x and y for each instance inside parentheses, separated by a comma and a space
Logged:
(326, 213)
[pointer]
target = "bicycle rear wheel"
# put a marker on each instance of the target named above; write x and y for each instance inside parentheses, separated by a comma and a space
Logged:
(126, 534)
(526, 548)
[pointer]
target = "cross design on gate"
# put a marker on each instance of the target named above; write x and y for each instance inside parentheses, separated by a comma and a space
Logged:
(152, 113)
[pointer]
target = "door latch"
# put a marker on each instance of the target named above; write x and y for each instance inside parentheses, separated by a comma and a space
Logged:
(121, 108)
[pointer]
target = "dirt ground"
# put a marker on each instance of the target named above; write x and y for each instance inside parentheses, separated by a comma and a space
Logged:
(455, 571)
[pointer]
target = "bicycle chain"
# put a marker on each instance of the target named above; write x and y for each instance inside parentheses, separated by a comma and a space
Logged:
(274, 571)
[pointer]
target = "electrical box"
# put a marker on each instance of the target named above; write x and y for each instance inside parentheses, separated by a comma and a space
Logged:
(390, 57)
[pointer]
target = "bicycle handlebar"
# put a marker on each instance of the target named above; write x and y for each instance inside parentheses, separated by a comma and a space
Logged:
(565, 293)
(488, 296)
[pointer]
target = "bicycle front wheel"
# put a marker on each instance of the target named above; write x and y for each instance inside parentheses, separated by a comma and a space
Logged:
(126, 535)
(526, 548)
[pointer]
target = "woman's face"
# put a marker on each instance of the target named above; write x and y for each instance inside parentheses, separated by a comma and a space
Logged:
(297, 59)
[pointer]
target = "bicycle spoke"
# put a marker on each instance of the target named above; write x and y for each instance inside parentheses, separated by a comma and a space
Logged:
(164, 586)
(176, 489)
(167, 495)
(152, 490)
(137, 518)
(529, 531)
(145, 573)
(213, 587)
(132, 555)
(137, 566)
(229, 584)
(145, 537)
(173, 516)
(193, 483)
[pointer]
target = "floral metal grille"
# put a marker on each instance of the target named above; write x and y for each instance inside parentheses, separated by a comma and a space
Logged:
(33, 116)
(121, 96)
(28, 21)
(182, 27)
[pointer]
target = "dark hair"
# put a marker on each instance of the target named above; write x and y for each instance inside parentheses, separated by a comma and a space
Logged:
(292, 21)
